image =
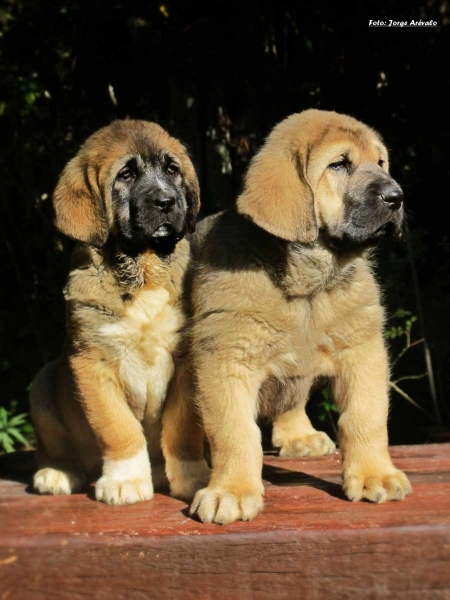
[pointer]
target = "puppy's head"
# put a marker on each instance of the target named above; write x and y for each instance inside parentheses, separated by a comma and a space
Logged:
(130, 180)
(320, 172)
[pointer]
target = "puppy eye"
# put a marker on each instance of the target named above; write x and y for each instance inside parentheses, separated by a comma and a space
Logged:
(381, 163)
(172, 169)
(126, 175)
(340, 165)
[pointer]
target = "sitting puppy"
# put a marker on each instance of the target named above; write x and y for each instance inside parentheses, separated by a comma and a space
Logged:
(283, 293)
(128, 196)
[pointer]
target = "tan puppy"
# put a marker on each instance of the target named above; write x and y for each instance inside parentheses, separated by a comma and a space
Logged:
(283, 293)
(129, 196)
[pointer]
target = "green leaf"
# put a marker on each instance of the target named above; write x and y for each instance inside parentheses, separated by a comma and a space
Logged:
(400, 313)
(7, 446)
(18, 420)
(19, 437)
(7, 438)
(30, 98)
(326, 392)
(7, 442)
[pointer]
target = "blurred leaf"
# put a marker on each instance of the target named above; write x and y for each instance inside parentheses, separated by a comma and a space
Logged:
(16, 433)
(326, 392)
(164, 10)
(30, 97)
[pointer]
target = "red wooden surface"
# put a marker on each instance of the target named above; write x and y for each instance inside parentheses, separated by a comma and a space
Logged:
(309, 542)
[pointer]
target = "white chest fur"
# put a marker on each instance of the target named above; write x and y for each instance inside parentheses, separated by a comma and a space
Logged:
(142, 343)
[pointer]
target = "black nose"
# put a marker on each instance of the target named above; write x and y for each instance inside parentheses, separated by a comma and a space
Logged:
(391, 195)
(165, 203)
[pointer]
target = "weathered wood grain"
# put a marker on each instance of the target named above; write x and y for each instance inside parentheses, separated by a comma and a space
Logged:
(309, 542)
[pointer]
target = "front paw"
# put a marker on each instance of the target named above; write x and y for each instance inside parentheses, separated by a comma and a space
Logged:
(113, 491)
(376, 486)
(314, 444)
(125, 481)
(223, 505)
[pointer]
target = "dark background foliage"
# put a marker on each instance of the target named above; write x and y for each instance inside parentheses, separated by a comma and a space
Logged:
(220, 76)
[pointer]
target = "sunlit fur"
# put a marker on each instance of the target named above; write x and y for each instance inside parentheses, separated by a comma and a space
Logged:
(276, 305)
(97, 409)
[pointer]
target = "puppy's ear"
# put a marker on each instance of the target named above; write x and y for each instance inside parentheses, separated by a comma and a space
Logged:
(79, 208)
(192, 193)
(278, 197)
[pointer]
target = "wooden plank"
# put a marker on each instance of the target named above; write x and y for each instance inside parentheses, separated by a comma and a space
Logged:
(308, 543)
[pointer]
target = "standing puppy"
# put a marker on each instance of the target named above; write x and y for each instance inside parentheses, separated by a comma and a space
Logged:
(283, 293)
(129, 196)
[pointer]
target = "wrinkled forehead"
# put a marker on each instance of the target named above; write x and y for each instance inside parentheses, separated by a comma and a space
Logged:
(354, 141)
(114, 148)
(151, 147)
(147, 156)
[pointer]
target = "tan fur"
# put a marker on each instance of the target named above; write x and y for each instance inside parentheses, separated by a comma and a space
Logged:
(82, 197)
(270, 317)
(100, 404)
(182, 439)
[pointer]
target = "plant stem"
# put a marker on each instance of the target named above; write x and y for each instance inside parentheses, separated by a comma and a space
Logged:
(405, 377)
(408, 345)
(413, 402)
(427, 354)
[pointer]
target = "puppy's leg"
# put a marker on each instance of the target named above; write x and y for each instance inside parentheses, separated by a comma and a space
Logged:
(57, 479)
(152, 430)
(361, 392)
(293, 432)
(126, 475)
(182, 438)
(228, 402)
(58, 471)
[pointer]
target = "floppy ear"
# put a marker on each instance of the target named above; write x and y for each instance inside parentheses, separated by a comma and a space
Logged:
(79, 208)
(278, 197)
(192, 193)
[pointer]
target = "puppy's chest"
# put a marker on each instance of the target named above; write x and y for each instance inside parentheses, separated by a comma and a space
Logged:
(310, 356)
(141, 344)
(312, 344)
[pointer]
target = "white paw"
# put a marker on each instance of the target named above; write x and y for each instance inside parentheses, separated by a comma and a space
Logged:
(186, 477)
(56, 482)
(113, 491)
(125, 481)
